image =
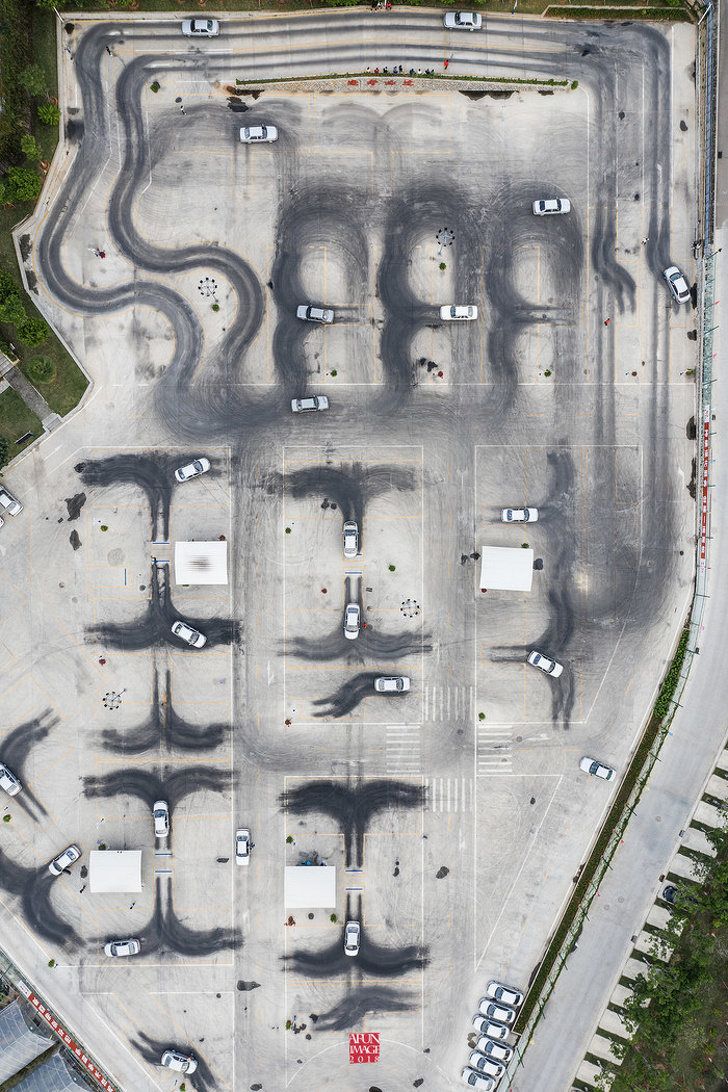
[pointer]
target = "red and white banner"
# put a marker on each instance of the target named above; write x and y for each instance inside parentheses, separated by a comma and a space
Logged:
(704, 499)
(364, 1047)
(65, 1038)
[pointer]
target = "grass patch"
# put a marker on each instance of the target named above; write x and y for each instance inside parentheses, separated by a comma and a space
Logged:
(533, 7)
(15, 420)
(673, 15)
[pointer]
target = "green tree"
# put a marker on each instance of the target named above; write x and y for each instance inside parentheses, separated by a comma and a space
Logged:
(33, 331)
(8, 287)
(23, 184)
(42, 369)
(12, 310)
(33, 79)
(48, 113)
(30, 149)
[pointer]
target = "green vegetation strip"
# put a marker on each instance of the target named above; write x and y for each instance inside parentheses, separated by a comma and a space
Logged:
(617, 816)
(245, 86)
(673, 15)
(16, 420)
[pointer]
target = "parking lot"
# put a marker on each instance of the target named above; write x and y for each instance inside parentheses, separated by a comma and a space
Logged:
(454, 813)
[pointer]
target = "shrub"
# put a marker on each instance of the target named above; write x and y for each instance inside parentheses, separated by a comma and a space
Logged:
(30, 149)
(23, 184)
(154, 87)
(8, 287)
(3, 451)
(334, 372)
(33, 331)
(12, 310)
(334, 917)
(6, 818)
(216, 306)
(48, 113)
(33, 79)
(442, 265)
(42, 369)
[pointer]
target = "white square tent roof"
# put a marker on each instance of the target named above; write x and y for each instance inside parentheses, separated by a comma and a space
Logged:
(115, 870)
(200, 563)
(508, 568)
(310, 887)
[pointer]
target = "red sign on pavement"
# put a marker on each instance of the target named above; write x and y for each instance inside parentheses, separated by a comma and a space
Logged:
(364, 1047)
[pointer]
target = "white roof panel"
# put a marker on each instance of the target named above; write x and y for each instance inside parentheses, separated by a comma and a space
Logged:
(310, 887)
(508, 568)
(115, 870)
(200, 563)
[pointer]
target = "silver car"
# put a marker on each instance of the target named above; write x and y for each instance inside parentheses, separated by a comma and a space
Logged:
(552, 206)
(595, 768)
(64, 860)
(258, 134)
(458, 312)
(309, 313)
(463, 20)
(12, 506)
(509, 995)
(160, 812)
(494, 1011)
(189, 635)
(477, 1080)
(9, 781)
(392, 684)
(492, 1028)
(197, 466)
(242, 846)
(519, 515)
(121, 948)
(543, 663)
(352, 938)
(351, 538)
(179, 1062)
(485, 1065)
(677, 284)
(352, 621)
(500, 1051)
(307, 405)
(200, 28)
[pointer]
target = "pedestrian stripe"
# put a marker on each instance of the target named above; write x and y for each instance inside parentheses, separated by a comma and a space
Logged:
(494, 751)
(448, 703)
(403, 750)
(449, 794)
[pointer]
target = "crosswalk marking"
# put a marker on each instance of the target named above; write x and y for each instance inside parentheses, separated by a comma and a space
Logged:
(403, 749)
(494, 751)
(447, 703)
(449, 794)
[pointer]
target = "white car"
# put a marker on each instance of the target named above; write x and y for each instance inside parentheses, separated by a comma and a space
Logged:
(198, 466)
(677, 284)
(189, 635)
(351, 538)
(500, 1051)
(12, 506)
(553, 206)
(494, 1011)
(519, 515)
(477, 1080)
(352, 938)
(179, 1062)
(391, 684)
(306, 405)
(463, 20)
(258, 134)
(492, 1028)
(597, 769)
(509, 995)
(121, 948)
(200, 28)
(543, 663)
(457, 312)
(352, 621)
(485, 1065)
(9, 781)
(309, 313)
(242, 846)
(64, 860)
(160, 812)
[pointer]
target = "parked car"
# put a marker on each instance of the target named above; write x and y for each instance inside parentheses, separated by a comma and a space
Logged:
(179, 1062)
(457, 312)
(189, 635)
(519, 515)
(258, 134)
(160, 812)
(495, 1011)
(492, 1028)
(500, 1051)
(482, 1064)
(200, 28)
(477, 1080)
(509, 995)
(121, 948)
(392, 684)
(306, 405)
(552, 206)
(597, 769)
(12, 506)
(351, 538)
(64, 860)
(677, 284)
(352, 938)
(9, 781)
(242, 846)
(543, 663)
(311, 313)
(352, 621)
(669, 893)
(198, 466)
(463, 20)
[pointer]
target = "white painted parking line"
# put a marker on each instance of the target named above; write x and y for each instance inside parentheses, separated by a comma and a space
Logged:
(403, 749)
(494, 750)
(443, 702)
(449, 794)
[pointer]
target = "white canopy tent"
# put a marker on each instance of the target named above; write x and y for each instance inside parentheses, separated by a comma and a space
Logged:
(115, 870)
(507, 568)
(200, 563)
(310, 887)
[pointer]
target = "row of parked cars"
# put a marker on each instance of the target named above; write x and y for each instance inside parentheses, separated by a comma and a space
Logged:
(496, 1015)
